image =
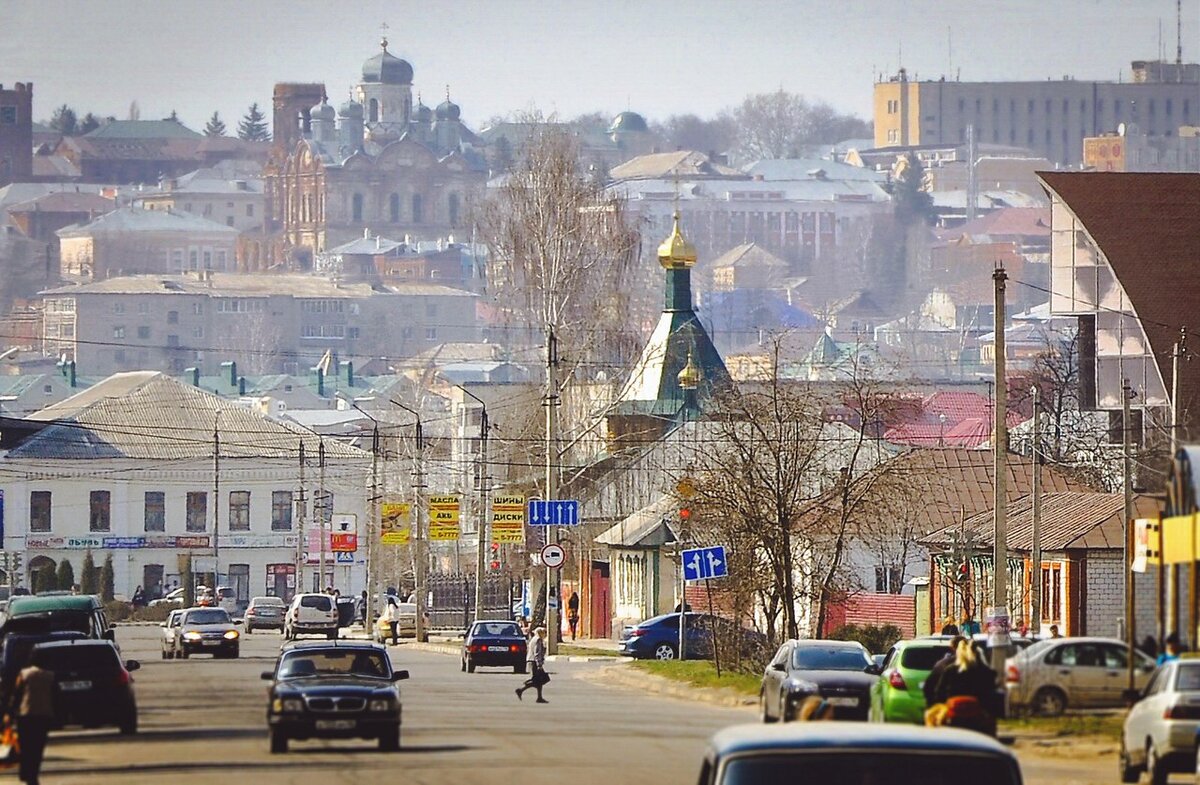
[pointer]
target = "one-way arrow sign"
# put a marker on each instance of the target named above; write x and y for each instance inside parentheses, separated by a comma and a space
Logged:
(703, 563)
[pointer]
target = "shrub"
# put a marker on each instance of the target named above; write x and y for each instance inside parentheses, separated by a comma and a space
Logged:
(117, 610)
(89, 579)
(106, 580)
(877, 639)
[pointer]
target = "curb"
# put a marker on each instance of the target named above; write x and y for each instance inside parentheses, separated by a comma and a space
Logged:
(630, 678)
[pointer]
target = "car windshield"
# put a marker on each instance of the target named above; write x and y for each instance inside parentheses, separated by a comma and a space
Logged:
(318, 601)
(208, 616)
(832, 658)
(1188, 679)
(333, 662)
(497, 629)
(861, 767)
(922, 658)
(259, 602)
(70, 657)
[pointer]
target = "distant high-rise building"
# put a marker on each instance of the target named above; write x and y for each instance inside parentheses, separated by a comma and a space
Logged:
(16, 133)
(1050, 117)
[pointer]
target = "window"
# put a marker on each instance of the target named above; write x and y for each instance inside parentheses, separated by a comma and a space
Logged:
(453, 207)
(198, 309)
(373, 111)
(143, 308)
(99, 511)
(352, 332)
(356, 208)
(239, 511)
(416, 209)
(118, 307)
(172, 317)
(221, 257)
(208, 209)
(193, 260)
(229, 220)
(143, 332)
(177, 260)
(119, 331)
(155, 515)
(8, 115)
(198, 331)
(197, 511)
(119, 356)
(431, 310)
(172, 340)
(39, 511)
(431, 333)
(249, 211)
(394, 208)
(888, 579)
(281, 511)
(208, 260)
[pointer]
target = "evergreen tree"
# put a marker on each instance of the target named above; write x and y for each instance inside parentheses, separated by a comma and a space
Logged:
(42, 580)
(107, 592)
(63, 120)
(253, 127)
(909, 199)
(189, 584)
(66, 575)
(215, 127)
(89, 579)
(89, 123)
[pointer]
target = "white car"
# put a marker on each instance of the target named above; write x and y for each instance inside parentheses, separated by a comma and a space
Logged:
(311, 614)
(1081, 673)
(170, 629)
(173, 597)
(1160, 730)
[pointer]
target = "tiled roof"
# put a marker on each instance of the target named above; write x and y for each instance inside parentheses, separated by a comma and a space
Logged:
(143, 129)
(66, 202)
(681, 164)
(135, 219)
(144, 415)
(775, 169)
(1069, 520)
(1145, 224)
(1009, 222)
(748, 254)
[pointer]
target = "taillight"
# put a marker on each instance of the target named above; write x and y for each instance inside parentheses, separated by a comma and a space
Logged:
(896, 680)
(636, 633)
(123, 677)
(514, 648)
(1012, 674)
(1183, 711)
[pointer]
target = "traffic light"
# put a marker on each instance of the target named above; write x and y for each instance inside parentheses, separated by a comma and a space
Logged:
(685, 513)
(495, 559)
(963, 573)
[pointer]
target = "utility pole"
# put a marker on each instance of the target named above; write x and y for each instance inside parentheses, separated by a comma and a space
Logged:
(482, 528)
(1172, 621)
(372, 531)
(323, 521)
(1127, 486)
(216, 503)
(1000, 454)
(551, 481)
(302, 522)
(1035, 609)
(420, 561)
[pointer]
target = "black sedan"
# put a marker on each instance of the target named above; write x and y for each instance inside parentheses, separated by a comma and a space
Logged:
(92, 687)
(494, 644)
(334, 690)
(839, 672)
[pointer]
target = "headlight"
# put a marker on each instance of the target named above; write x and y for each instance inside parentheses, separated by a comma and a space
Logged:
(805, 687)
(191, 635)
(380, 704)
(286, 704)
(231, 635)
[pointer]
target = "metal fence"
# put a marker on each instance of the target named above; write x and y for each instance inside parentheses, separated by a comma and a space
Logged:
(453, 599)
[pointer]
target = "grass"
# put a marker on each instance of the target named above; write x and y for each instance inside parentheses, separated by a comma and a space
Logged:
(1107, 725)
(702, 674)
(571, 650)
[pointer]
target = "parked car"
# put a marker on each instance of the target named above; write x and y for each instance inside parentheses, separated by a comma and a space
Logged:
(897, 695)
(1080, 673)
(17, 648)
(840, 672)
(225, 597)
(338, 690)
(658, 637)
(170, 635)
(173, 597)
(311, 614)
(494, 644)
(265, 613)
(405, 627)
(92, 687)
(59, 613)
(854, 753)
(207, 631)
(1160, 730)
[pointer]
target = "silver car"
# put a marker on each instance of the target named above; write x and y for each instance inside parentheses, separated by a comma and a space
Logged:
(1054, 674)
(1160, 730)
(168, 635)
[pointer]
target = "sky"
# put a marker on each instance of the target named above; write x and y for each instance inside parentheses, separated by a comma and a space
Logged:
(657, 57)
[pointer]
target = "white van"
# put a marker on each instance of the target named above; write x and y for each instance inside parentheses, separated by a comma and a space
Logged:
(311, 614)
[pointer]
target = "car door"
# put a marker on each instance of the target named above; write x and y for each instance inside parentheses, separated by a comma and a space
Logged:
(1111, 691)
(1087, 674)
(1144, 714)
(773, 680)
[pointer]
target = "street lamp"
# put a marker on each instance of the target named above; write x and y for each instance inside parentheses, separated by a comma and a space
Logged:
(372, 576)
(419, 486)
(481, 530)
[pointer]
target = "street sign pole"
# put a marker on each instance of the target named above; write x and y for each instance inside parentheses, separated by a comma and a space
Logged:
(712, 628)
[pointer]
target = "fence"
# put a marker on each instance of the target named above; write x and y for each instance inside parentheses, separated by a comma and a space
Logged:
(453, 599)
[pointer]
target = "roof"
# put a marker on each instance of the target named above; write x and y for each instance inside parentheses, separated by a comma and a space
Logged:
(143, 129)
(749, 255)
(66, 202)
(834, 735)
(252, 285)
(1009, 222)
(1145, 225)
(367, 244)
(987, 200)
(773, 169)
(19, 606)
(1068, 520)
(678, 164)
(645, 528)
(135, 219)
(144, 415)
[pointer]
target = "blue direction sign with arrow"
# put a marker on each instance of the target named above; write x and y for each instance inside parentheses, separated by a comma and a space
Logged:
(553, 512)
(703, 563)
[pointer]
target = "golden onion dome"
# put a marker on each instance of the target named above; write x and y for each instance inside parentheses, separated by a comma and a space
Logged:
(691, 375)
(676, 253)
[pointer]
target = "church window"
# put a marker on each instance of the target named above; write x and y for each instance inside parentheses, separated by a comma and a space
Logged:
(453, 210)
(356, 208)
(373, 110)
(416, 209)
(394, 208)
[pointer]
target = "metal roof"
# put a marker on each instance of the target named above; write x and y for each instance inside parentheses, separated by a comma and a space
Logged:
(135, 219)
(852, 735)
(143, 129)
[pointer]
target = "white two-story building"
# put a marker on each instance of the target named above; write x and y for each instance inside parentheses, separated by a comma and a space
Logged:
(147, 469)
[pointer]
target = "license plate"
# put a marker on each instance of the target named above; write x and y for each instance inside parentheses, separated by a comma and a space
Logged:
(497, 648)
(212, 643)
(842, 701)
(335, 724)
(75, 686)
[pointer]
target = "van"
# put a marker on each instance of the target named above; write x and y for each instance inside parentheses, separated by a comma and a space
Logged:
(59, 613)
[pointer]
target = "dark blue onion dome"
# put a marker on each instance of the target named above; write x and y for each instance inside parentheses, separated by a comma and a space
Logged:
(322, 111)
(628, 121)
(386, 68)
(350, 108)
(448, 110)
(422, 114)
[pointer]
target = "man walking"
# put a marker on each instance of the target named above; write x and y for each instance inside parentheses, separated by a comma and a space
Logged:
(34, 706)
(537, 662)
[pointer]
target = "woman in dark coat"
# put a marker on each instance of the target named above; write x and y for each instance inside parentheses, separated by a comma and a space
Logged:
(968, 690)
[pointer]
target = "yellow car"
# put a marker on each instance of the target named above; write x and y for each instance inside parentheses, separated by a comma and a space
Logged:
(406, 627)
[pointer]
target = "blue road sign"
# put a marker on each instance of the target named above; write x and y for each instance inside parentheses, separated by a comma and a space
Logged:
(344, 558)
(703, 563)
(553, 512)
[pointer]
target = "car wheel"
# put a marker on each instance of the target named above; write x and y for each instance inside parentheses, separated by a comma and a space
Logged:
(129, 725)
(1049, 702)
(1156, 773)
(470, 665)
(279, 742)
(389, 740)
(233, 654)
(522, 668)
(664, 651)
(762, 709)
(1128, 772)
(164, 654)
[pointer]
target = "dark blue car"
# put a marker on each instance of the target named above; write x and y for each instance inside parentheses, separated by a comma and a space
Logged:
(494, 644)
(658, 638)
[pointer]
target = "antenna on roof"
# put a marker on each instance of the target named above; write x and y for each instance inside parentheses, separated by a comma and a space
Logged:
(1179, 35)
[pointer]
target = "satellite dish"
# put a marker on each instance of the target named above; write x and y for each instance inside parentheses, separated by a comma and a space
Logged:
(1120, 129)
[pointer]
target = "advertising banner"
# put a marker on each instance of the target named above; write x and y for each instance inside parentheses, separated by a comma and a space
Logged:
(395, 526)
(443, 518)
(508, 519)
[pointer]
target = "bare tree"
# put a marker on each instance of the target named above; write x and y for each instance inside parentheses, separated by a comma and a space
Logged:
(779, 124)
(691, 132)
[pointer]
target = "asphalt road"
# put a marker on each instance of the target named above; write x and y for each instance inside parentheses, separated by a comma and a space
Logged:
(202, 721)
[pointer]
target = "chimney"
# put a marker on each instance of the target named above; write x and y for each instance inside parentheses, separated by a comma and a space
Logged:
(71, 373)
(348, 365)
(233, 377)
(320, 381)
(195, 374)
(241, 385)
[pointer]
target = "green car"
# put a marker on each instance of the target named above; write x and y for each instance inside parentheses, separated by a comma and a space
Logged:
(897, 696)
